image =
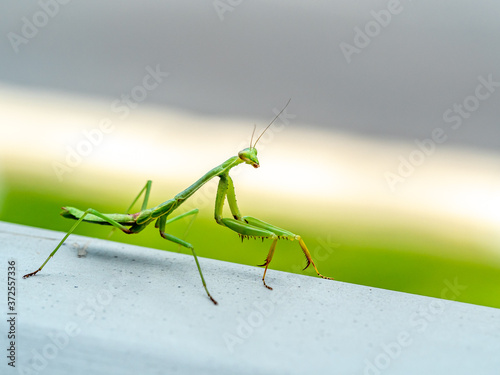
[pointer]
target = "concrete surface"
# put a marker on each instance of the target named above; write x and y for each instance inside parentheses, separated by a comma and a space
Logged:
(130, 310)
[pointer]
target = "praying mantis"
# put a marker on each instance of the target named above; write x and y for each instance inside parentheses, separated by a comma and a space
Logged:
(244, 226)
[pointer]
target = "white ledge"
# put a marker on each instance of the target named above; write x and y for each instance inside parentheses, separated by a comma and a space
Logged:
(125, 309)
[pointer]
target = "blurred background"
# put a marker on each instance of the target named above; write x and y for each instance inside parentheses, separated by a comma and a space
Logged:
(386, 161)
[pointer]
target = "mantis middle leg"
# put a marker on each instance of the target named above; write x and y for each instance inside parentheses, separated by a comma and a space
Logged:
(161, 222)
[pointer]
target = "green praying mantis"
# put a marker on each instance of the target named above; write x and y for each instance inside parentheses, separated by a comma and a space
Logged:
(244, 226)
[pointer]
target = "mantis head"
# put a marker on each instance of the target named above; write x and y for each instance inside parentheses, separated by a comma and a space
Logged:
(249, 154)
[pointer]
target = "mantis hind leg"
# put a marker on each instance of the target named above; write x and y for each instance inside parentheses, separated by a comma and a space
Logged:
(146, 189)
(88, 211)
(162, 222)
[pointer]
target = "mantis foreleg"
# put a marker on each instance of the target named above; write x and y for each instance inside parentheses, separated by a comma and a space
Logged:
(286, 234)
(248, 226)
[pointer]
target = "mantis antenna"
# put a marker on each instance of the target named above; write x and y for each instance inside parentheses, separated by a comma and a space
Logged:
(253, 133)
(278, 115)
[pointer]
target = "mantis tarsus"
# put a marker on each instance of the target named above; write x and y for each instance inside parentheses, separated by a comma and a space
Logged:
(245, 226)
